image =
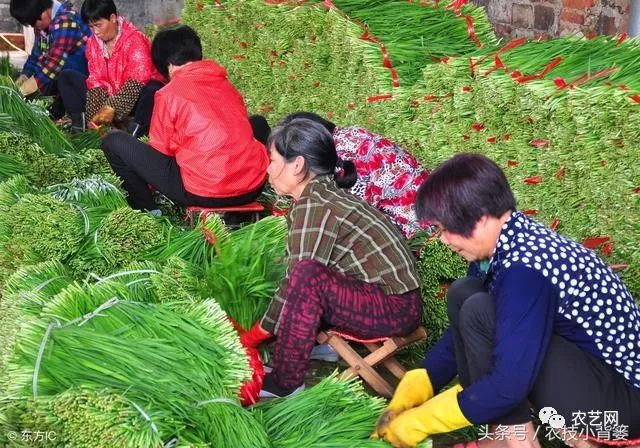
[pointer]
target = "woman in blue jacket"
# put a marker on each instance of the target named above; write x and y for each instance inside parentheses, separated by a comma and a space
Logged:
(540, 322)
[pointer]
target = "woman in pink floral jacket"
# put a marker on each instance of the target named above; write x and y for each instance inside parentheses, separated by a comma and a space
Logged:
(388, 176)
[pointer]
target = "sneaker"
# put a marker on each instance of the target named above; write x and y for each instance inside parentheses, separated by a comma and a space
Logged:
(324, 352)
(271, 390)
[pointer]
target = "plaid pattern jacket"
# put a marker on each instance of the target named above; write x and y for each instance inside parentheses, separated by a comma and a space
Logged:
(66, 37)
(333, 227)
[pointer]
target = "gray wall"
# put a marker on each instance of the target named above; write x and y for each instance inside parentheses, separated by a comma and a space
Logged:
(7, 24)
(141, 12)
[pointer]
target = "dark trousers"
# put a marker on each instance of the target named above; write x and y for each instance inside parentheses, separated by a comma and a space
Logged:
(317, 296)
(73, 90)
(139, 165)
(570, 380)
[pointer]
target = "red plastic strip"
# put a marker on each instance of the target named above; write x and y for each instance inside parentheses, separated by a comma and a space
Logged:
(382, 96)
(512, 44)
(533, 180)
(550, 66)
(595, 241)
(471, 31)
(621, 39)
(456, 5)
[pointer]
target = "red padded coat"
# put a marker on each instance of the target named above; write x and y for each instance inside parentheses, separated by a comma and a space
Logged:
(130, 59)
(201, 119)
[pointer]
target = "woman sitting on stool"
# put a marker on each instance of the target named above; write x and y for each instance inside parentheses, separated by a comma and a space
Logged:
(348, 265)
(122, 78)
(540, 322)
(201, 151)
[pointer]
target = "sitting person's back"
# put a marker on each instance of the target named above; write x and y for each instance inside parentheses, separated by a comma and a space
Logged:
(388, 176)
(200, 118)
(201, 151)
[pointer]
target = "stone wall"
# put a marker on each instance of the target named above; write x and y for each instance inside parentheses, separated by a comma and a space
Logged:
(546, 18)
(141, 12)
(7, 24)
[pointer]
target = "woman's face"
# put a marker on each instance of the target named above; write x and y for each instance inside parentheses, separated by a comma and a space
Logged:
(42, 24)
(105, 29)
(281, 173)
(477, 246)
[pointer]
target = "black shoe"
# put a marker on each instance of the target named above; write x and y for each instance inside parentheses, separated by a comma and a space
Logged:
(56, 109)
(271, 390)
(78, 122)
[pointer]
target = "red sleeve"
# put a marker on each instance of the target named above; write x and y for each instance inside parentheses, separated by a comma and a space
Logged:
(98, 76)
(162, 126)
(139, 64)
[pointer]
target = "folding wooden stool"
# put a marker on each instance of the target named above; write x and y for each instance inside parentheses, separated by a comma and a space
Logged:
(253, 208)
(382, 351)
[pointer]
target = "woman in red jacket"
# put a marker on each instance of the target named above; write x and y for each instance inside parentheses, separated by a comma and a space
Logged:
(122, 78)
(202, 150)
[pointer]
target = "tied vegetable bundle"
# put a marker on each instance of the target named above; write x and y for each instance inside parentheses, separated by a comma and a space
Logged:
(181, 362)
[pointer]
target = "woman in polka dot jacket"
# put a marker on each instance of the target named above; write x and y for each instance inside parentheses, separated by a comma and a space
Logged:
(540, 322)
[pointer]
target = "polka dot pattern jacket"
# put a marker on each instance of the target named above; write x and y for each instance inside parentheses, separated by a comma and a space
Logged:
(543, 284)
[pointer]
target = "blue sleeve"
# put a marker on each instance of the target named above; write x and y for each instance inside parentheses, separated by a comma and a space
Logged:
(525, 309)
(30, 67)
(440, 362)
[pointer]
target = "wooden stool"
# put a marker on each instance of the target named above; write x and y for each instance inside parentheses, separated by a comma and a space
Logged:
(382, 351)
(254, 209)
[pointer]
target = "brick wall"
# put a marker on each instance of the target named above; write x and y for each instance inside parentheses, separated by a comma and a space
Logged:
(545, 18)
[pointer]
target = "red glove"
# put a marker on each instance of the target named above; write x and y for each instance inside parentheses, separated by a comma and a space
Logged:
(250, 391)
(250, 340)
(254, 337)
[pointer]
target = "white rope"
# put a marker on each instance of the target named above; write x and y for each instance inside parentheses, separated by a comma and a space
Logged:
(12, 45)
(46, 282)
(171, 443)
(123, 273)
(85, 218)
(87, 317)
(43, 343)
(56, 324)
(144, 414)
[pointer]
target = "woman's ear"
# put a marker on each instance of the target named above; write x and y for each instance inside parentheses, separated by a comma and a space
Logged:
(299, 166)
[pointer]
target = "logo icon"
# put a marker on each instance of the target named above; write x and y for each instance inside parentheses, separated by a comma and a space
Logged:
(550, 416)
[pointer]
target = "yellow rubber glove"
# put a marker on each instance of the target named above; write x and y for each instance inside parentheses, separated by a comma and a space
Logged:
(104, 116)
(414, 389)
(28, 87)
(21, 79)
(440, 414)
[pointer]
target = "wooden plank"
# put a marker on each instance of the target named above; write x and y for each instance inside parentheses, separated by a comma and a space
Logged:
(359, 367)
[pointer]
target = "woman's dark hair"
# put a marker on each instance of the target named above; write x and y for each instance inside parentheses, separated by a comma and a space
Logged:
(28, 12)
(461, 191)
(309, 116)
(94, 10)
(176, 45)
(314, 143)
